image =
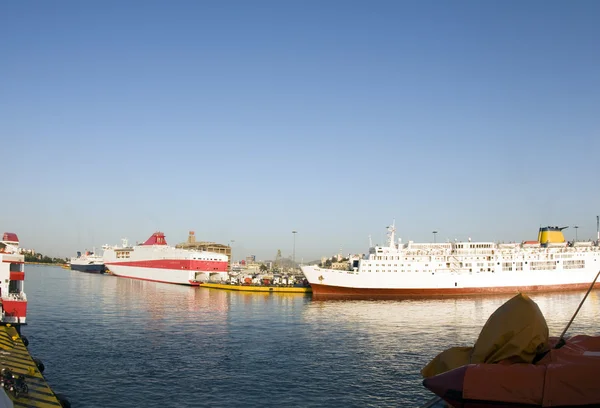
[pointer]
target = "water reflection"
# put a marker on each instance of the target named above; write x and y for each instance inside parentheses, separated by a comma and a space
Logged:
(157, 345)
(405, 335)
(452, 318)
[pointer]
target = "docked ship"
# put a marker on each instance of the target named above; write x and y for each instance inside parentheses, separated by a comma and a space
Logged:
(88, 262)
(155, 260)
(462, 268)
(13, 300)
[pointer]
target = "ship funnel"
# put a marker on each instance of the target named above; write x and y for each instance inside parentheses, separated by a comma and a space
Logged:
(551, 235)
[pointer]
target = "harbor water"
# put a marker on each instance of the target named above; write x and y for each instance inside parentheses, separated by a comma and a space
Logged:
(114, 342)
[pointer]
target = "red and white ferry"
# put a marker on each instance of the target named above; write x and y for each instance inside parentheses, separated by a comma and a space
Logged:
(12, 276)
(156, 261)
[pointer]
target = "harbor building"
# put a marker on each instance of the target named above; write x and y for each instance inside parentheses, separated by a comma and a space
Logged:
(191, 243)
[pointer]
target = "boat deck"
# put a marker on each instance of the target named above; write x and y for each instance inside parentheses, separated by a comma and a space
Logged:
(258, 288)
(15, 356)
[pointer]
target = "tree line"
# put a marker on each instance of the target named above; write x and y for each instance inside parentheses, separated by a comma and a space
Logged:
(40, 258)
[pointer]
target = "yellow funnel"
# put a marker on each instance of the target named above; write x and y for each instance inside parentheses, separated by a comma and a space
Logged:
(551, 235)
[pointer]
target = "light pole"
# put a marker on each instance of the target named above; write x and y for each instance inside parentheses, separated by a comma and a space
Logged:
(231, 255)
(576, 226)
(434, 232)
(294, 252)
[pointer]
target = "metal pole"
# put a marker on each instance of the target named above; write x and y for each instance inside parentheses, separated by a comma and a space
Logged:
(294, 252)
(576, 226)
(231, 255)
(561, 339)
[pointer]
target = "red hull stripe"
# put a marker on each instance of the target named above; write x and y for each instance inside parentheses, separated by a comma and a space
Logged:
(17, 308)
(191, 283)
(184, 264)
(325, 290)
(13, 262)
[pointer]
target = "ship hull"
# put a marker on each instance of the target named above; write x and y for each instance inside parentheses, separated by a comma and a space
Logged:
(335, 291)
(95, 268)
(165, 275)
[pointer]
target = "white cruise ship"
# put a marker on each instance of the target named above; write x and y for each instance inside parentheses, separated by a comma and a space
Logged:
(462, 268)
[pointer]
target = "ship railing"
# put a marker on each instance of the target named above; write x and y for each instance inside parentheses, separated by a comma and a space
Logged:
(17, 296)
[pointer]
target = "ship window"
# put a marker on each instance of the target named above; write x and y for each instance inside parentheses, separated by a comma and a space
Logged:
(13, 287)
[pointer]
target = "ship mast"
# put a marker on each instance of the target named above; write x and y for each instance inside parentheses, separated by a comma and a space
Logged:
(391, 234)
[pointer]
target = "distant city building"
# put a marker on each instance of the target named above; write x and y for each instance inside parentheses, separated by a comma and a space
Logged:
(191, 243)
(27, 251)
(251, 259)
(252, 268)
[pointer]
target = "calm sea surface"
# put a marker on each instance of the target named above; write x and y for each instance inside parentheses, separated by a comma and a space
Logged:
(115, 342)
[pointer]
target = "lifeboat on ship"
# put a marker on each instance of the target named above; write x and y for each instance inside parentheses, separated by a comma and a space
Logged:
(531, 244)
(514, 363)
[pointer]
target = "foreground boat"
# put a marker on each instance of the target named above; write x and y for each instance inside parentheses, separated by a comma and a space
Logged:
(156, 261)
(514, 363)
(88, 262)
(461, 268)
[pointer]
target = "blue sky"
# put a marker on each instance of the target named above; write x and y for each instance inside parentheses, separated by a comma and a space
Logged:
(247, 120)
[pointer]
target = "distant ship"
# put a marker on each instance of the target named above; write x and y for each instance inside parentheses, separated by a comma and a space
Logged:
(462, 268)
(156, 261)
(88, 262)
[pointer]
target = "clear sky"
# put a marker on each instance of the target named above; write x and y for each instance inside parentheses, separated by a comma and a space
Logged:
(245, 120)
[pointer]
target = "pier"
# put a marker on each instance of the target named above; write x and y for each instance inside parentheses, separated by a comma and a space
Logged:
(15, 357)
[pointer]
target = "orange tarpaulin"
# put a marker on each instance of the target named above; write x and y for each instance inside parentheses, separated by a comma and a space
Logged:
(516, 331)
(499, 370)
